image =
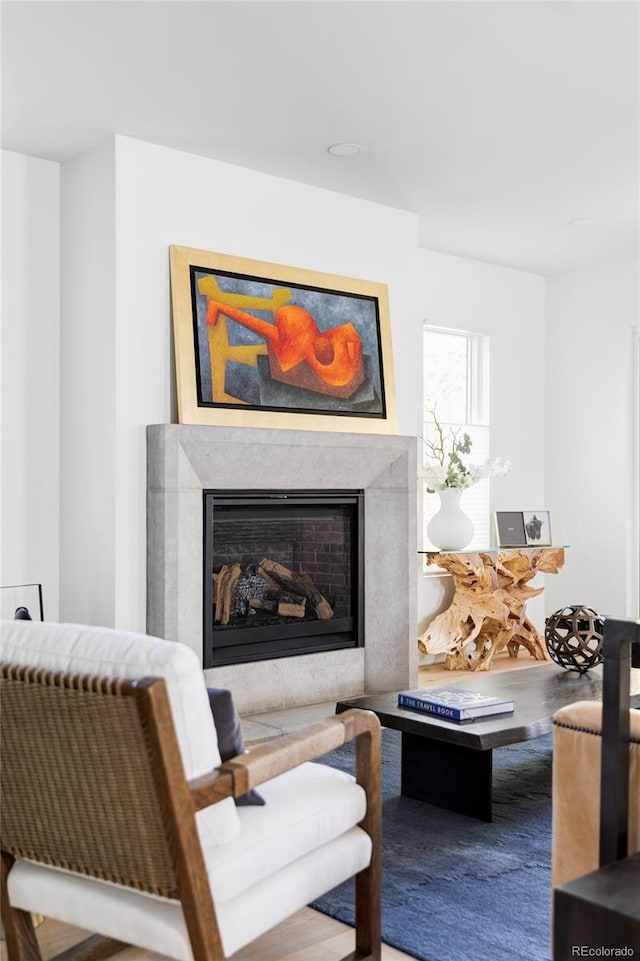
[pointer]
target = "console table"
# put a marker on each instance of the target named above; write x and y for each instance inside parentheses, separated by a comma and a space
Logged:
(488, 610)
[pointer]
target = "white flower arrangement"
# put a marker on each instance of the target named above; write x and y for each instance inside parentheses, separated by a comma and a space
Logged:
(449, 471)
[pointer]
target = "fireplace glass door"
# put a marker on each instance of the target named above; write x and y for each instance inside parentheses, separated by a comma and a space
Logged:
(283, 574)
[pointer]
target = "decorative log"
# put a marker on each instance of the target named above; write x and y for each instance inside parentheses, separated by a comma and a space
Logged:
(273, 585)
(299, 584)
(320, 604)
(228, 577)
(263, 604)
(285, 592)
(278, 572)
(291, 610)
(234, 577)
(487, 612)
(288, 597)
(218, 579)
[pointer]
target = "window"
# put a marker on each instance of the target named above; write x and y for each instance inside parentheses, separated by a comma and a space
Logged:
(455, 365)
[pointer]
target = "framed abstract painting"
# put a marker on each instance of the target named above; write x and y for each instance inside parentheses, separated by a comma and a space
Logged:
(263, 345)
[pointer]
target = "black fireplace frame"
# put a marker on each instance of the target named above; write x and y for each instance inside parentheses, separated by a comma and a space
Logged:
(249, 644)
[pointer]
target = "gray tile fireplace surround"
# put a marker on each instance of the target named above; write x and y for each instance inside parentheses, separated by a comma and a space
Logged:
(184, 460)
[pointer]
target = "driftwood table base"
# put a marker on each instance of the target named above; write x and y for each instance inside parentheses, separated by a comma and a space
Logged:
(488, 610)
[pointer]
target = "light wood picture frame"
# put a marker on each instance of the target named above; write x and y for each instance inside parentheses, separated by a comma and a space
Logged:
(264, 345)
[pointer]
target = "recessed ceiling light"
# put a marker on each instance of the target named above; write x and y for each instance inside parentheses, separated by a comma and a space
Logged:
(344, 149)
(581, 222)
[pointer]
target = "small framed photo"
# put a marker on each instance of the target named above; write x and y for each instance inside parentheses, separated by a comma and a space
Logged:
(510, 529)
(537, 528)
(22, 602)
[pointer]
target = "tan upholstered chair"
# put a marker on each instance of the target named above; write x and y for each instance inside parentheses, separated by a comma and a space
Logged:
(576, 789)
(118, 816)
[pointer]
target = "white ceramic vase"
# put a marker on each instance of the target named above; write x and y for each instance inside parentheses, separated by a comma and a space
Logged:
(450, 529)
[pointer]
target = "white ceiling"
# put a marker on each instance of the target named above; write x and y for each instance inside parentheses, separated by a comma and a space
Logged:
(496, 122)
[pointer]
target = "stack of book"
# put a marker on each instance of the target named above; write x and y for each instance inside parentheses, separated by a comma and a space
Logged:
(454, 704)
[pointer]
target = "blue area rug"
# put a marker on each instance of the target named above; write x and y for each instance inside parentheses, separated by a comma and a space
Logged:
(457, 889)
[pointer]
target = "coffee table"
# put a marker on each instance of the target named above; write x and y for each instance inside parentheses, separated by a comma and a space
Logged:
(450, 764)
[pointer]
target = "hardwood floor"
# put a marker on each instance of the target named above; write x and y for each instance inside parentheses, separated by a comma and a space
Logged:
(306, 936)
(436, 673)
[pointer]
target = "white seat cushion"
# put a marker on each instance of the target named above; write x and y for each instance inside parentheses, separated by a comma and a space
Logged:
(305, 808)
(303, 842)
(109, 653)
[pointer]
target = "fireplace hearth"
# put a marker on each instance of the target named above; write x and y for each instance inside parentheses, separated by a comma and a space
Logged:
(283, 574)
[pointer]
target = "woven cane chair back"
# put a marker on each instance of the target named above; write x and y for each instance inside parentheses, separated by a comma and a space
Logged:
(77, 779)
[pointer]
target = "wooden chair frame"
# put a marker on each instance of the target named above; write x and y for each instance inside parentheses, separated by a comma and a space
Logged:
(179, 800)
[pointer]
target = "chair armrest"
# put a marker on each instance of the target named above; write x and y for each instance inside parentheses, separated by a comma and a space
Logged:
(247, 771)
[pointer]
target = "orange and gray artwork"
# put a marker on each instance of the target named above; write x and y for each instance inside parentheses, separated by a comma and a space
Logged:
(271, 347)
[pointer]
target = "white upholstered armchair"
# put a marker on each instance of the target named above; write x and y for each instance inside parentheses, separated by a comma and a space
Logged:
(118, 816)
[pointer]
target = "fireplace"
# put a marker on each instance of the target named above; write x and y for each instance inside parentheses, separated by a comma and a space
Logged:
(283, 573)
(185, 460)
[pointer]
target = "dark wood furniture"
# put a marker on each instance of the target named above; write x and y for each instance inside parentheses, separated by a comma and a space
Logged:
(450, 764)
(601, 910)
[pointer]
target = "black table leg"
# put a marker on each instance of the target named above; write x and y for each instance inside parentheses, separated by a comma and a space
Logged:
(449, 776)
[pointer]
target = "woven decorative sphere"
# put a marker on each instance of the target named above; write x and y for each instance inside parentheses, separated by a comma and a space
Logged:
(574, 637)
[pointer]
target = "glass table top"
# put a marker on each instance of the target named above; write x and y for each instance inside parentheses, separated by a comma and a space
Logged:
(497, 550)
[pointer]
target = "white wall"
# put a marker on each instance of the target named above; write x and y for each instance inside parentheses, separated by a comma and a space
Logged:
(29, 519)
(509, 305)
(89, 453)
(165, 197)
(590, 314)
(124, 203)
